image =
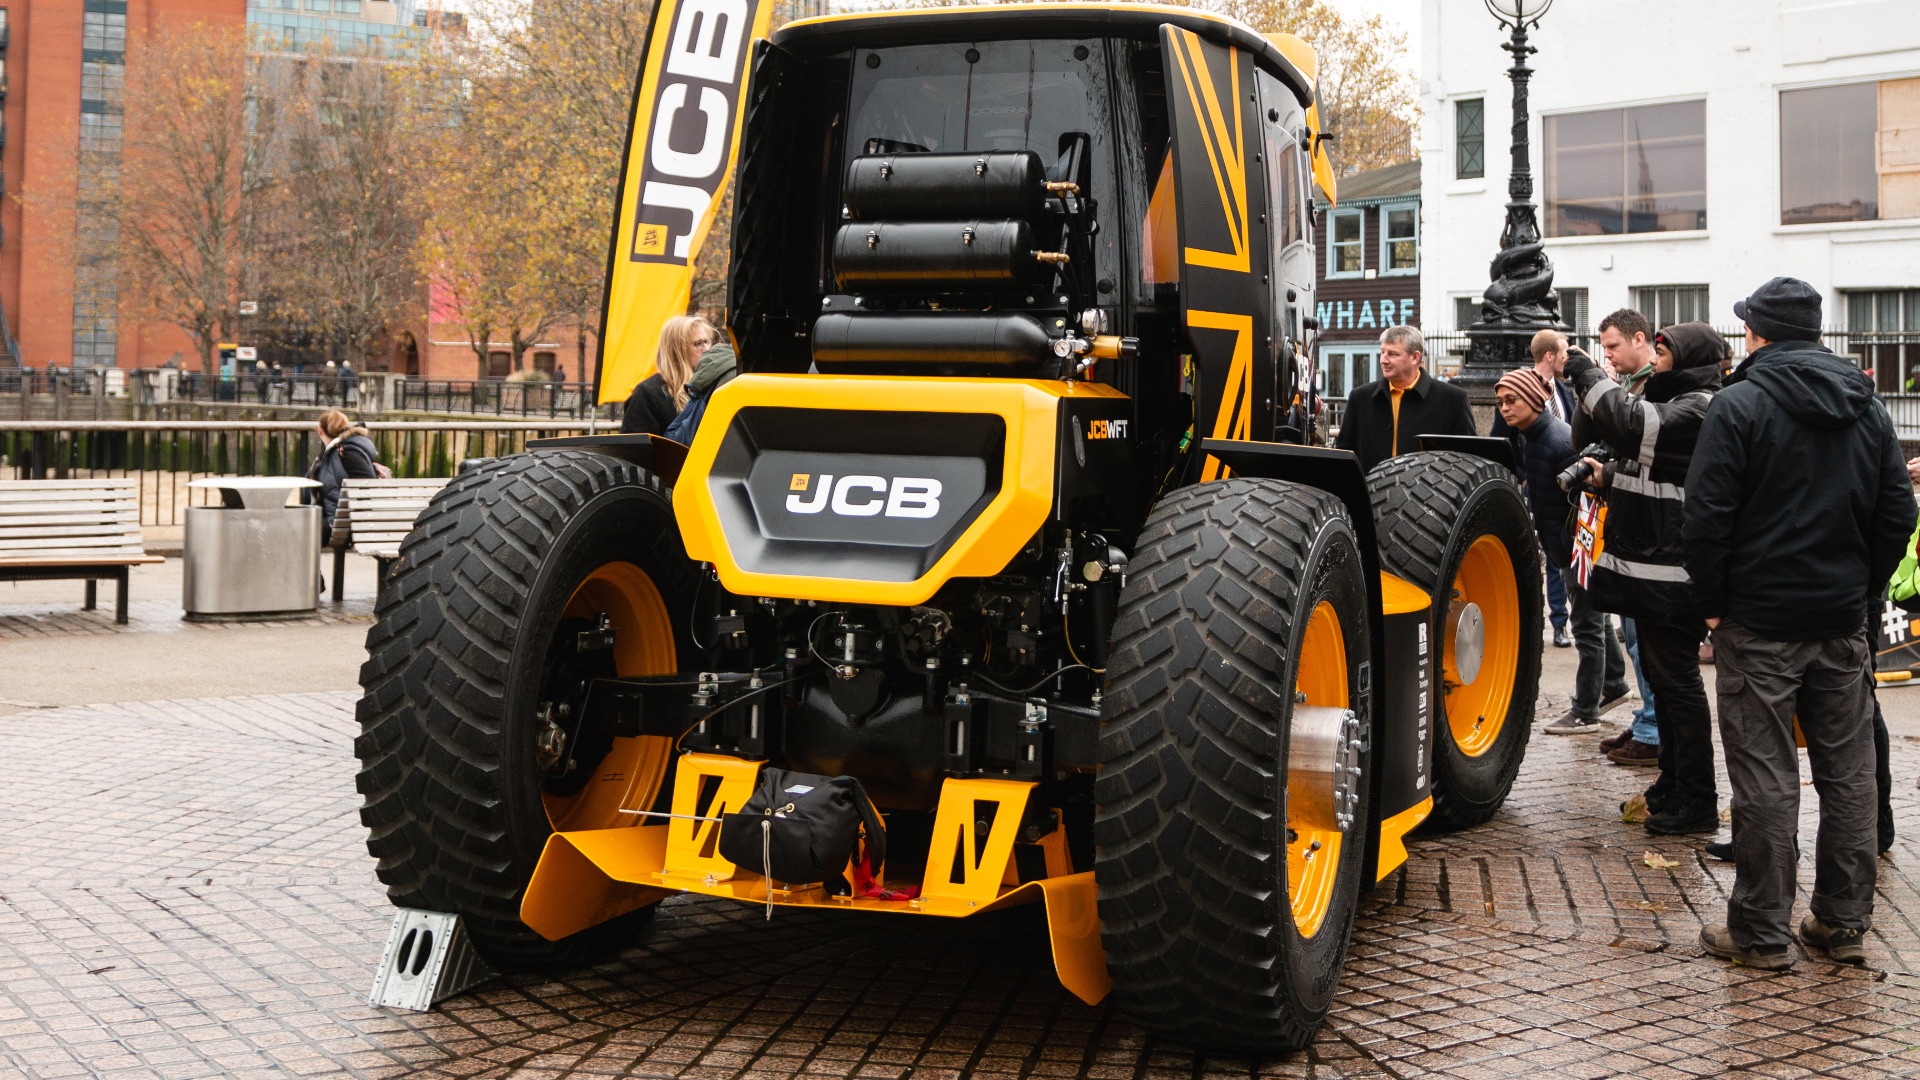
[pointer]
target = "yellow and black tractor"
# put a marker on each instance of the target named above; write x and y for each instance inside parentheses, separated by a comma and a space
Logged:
(1008, 517)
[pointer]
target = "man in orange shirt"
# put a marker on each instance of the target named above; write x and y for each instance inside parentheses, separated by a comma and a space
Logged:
(1386, 417)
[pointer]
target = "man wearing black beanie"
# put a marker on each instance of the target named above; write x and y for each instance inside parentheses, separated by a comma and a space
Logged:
(1798, 509)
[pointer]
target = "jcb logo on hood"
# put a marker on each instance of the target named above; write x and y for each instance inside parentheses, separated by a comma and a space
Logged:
(865, 496)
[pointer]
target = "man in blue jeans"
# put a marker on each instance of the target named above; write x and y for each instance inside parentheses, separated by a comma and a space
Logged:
(1640, 743)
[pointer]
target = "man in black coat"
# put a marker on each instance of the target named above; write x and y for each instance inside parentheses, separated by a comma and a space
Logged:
(1386, 417)
(1798, 509)
(1639, 572)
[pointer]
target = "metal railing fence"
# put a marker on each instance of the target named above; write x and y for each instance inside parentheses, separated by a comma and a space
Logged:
(498, 397)
(165, 454)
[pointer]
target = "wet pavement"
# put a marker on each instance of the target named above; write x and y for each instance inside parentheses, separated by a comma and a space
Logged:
(186, 893)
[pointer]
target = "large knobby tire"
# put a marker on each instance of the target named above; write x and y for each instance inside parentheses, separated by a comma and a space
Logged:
(1458, 527)
(475, 629)
(1221, 928)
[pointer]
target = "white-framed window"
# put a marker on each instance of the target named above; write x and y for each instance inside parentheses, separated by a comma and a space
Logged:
(1345, 367)
(1575, 309)
(1469, 138)
(1664, 305)
(1466, 312)
(1883, 334)
(1632, 170)
(1400, 239)
(1850, 152)
(1346, 250)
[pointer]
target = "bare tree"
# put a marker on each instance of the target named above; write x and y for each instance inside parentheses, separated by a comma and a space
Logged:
(190, 177)
(346, 224)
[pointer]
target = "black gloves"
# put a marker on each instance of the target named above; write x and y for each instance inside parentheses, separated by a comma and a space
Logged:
(1578, 363)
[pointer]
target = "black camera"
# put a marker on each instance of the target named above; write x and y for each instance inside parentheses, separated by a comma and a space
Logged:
(1581, 472)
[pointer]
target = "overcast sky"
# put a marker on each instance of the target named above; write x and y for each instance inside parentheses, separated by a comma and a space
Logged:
(1406, 13)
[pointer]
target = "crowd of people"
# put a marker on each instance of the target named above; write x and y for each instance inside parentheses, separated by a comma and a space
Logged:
(1679, 499)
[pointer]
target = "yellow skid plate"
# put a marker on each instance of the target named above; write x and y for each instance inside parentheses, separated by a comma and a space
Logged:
(1393, 836)
(589, 876)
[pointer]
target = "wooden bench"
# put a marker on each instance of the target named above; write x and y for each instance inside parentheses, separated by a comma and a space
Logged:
(372, 519)
(72, 530)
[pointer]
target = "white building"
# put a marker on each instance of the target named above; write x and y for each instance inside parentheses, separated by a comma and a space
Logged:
(1683, 153)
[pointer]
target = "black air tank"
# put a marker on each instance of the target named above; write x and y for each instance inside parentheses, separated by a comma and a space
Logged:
(933, 343)
(988, 184)
(933, 256)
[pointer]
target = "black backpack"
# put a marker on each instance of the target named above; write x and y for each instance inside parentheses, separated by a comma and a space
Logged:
(802, 829)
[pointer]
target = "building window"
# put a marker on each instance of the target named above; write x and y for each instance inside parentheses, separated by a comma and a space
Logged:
(1638, 170)
(1345, 257)
(1399, 239)
(1470, 138)
(1664, 305)
(1883, 334)
(104, 31)
(1850, 153)
(1466, 311)
(102, 81)
(1574, 311)
(1345, 368)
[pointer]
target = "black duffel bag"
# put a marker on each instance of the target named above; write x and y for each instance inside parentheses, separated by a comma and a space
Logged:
(802, 829)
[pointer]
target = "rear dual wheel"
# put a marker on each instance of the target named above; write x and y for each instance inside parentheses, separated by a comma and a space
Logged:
(1232, 793)
(475, 646)
(1458, 527)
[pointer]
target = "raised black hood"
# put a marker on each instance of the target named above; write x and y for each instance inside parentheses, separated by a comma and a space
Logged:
(1813, 385)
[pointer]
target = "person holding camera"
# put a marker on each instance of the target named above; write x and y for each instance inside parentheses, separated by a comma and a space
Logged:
(1798, 511)
(1640, 572)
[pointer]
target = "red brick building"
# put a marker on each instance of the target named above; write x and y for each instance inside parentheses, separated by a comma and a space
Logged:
(65, 64)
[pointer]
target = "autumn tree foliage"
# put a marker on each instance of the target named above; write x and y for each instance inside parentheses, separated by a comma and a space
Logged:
(1368, 91)
(526, 123)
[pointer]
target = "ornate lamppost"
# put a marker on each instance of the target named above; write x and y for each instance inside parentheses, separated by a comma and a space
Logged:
(1520, 299)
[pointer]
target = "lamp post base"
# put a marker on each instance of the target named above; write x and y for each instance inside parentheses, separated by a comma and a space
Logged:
(1492, 351)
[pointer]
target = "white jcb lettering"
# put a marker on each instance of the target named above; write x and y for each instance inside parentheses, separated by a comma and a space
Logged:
(713, 141)
(913, 497)
(821, 489)
(706, 39)
(850, 484)
(680, 197)
(866, 496)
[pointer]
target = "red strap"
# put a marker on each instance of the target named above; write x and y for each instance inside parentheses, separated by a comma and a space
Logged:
(864, 885)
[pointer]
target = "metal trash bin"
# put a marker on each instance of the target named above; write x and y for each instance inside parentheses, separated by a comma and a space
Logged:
(253, 555)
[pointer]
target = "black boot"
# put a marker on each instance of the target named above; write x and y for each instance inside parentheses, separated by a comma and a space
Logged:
(1677, 820)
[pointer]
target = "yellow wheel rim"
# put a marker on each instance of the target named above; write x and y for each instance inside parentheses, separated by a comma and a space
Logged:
(1313, 855)
(1477, 699)
(629, 777)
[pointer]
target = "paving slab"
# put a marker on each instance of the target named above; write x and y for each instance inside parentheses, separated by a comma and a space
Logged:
(187, 894)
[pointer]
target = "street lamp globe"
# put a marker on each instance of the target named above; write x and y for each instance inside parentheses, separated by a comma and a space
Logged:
(1518, 12)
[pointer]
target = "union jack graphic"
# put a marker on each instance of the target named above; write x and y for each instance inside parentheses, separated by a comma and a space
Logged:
(1589, 536)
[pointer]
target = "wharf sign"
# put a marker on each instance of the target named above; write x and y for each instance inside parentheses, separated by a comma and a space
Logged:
(1364, 314)
(682, 148)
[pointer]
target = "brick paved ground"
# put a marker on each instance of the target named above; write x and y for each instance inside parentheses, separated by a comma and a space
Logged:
(185, 894)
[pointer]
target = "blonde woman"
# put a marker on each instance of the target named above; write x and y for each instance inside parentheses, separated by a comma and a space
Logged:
(661, 395)
(348, 453)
